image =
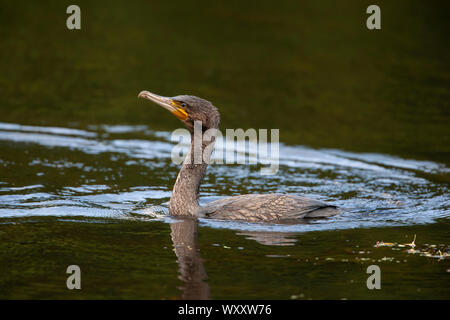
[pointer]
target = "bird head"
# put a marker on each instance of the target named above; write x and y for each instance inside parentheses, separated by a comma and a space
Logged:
(187, 108)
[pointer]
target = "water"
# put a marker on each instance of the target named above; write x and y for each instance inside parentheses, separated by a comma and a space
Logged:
(86, 173)
(374, 189)
(121, 176)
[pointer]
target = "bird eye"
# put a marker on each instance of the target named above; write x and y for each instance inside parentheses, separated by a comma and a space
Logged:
(183, 105)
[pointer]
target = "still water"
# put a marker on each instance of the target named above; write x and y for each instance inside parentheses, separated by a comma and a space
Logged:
(86, 170)
(97, 198)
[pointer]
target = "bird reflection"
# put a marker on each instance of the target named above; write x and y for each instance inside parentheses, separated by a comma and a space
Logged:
(191, 268)
(270, 238)
(190, 265)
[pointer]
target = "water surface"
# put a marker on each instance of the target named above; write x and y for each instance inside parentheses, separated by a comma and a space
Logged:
(86, 172)
(84, 194)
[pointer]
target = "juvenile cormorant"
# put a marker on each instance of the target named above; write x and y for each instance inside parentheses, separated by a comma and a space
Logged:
(274, 208)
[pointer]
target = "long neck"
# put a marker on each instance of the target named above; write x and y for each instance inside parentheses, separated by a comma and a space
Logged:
(184, 200)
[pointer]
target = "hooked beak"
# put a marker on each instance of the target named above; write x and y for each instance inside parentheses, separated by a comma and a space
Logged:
(166, 103)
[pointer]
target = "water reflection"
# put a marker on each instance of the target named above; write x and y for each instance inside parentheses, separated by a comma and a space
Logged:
(270, 238)
(191, 268)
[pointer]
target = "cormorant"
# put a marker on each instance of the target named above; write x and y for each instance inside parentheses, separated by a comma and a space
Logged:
(274, 208)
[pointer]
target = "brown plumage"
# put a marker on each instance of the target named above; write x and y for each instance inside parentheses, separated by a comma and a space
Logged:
(275, 208)
(281, 208)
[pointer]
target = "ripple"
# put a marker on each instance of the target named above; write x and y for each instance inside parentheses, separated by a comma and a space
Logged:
(135, 180)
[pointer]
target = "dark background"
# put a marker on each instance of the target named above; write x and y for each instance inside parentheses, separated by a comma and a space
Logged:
(310, 68)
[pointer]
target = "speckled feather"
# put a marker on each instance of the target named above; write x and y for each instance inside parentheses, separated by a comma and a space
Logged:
(278, 208)
(267, 208)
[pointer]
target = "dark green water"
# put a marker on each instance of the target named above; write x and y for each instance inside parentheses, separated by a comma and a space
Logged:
(85, 168)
